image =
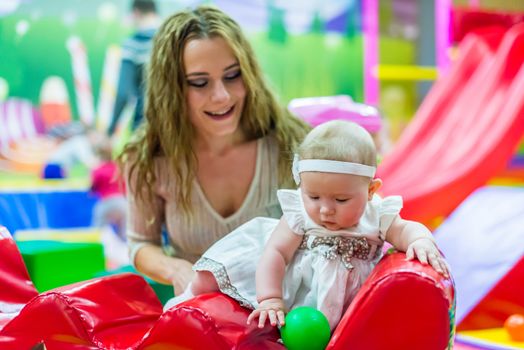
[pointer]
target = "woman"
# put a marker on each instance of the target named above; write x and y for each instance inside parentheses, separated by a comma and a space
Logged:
(215, 147)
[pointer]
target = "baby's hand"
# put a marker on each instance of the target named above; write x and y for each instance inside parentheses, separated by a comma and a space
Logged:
(426, 251)
(274, 308)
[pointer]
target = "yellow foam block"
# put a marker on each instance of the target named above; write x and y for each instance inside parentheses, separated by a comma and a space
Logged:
(13, 182)
(88, 235)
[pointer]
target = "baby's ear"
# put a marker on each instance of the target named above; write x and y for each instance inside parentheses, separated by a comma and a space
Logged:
(374, 185)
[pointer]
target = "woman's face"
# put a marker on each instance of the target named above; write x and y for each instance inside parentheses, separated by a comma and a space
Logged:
(215, 88)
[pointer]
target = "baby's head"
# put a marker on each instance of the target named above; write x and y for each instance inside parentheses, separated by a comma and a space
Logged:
(339, 140)
(335, 167)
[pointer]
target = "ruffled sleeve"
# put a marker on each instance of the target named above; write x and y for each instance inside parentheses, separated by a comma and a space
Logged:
(291, 204)
(389, 208)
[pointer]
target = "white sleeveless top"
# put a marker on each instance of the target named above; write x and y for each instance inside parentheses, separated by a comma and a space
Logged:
(146, 220)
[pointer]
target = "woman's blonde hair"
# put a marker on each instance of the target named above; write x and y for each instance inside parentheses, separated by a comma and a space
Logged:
(168, 131)
(339, 140)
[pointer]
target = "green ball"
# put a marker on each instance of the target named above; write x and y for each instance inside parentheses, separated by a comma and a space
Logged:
(306, 328)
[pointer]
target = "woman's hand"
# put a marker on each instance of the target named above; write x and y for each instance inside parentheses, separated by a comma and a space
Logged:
(272, 308)
(182, 275)
(427, 252)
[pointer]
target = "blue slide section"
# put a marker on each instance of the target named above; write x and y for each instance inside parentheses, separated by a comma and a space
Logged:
(42, 209)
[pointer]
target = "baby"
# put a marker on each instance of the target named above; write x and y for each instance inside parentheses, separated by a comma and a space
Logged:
(328, 240)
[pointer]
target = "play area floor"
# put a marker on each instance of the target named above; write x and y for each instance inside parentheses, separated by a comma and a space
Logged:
(492, 339)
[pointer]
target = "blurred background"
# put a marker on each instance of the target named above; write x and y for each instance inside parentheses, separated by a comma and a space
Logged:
(444, 80)
(307, 48)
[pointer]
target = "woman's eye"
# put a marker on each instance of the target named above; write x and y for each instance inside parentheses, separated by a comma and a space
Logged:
(199, 83)
(233, 75)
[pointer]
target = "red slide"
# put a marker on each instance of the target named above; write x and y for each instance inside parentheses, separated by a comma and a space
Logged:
(465, 131)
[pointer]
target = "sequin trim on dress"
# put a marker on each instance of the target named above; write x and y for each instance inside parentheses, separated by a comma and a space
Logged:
(222, 278)
(346, 248)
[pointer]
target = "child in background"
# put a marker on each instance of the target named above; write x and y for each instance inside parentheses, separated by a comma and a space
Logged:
(328, 240)
(76, 146)
(106, 183)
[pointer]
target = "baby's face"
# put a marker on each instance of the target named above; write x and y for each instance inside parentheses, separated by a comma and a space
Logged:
(334, 201)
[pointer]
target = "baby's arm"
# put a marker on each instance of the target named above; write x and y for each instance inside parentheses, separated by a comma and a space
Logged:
(271, 268)
(417, 241)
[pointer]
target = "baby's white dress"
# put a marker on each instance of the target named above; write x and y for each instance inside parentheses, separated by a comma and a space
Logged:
(326, 271)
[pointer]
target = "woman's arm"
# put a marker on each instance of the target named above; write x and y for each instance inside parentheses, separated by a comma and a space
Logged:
(152, 262)
(271, 268)
(144, 227)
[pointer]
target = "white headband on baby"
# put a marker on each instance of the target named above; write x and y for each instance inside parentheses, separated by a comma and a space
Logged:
(330, 166)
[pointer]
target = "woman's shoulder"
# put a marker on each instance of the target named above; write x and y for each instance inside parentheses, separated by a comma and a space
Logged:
(163, 170)
(269, 146)
(159, 166)
(160, 162)
(270, 138)
(157, 163)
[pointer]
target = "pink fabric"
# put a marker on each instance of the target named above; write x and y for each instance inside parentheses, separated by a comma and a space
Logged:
(318, 110)
(105, 181)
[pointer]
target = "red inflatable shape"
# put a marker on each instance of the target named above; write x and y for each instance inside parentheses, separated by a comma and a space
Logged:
(402, 305)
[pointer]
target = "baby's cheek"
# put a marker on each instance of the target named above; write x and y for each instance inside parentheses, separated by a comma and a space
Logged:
(310, 208)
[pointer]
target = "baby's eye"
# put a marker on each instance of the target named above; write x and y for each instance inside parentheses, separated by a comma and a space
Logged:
(233, 75)
(314, 197)
(199, 83)
(341, 200)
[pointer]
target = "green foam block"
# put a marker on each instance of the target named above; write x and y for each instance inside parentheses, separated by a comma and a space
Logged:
(54, 264)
